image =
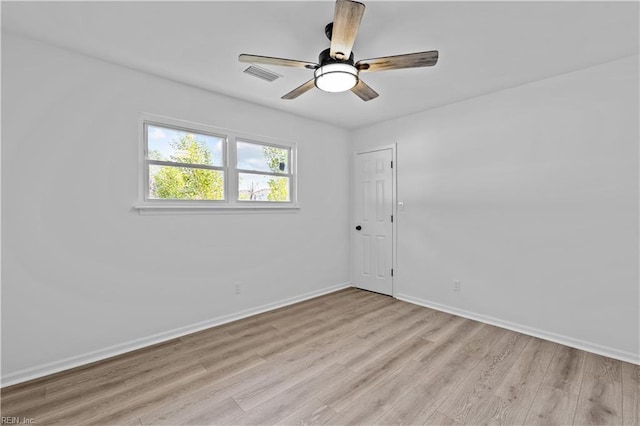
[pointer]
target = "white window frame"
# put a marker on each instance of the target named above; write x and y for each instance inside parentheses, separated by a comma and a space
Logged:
(147, 161)
(229, 169)
(289, 174)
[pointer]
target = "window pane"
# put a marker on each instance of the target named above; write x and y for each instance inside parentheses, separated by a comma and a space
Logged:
(262, 158)
(185, 183)
(263, 187)
(168, 144)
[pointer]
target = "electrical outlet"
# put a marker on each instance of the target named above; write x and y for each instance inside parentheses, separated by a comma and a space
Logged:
(237, 287)
(456, 285)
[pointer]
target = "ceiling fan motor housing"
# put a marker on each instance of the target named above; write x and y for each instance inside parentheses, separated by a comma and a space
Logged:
(325, 58)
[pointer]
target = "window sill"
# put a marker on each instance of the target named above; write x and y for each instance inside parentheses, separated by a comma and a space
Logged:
(147, 209)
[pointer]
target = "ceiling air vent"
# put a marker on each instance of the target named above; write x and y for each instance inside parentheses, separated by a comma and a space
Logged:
(262, 73)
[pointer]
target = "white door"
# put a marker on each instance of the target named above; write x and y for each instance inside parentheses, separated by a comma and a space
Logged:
(373, 228)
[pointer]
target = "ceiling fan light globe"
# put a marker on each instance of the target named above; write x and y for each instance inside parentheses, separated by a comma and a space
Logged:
(336, 77)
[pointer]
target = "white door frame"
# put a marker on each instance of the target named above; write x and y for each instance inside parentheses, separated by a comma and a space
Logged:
(394, 210)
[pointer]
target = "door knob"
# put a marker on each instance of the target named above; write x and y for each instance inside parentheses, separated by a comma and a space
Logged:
(358, 228)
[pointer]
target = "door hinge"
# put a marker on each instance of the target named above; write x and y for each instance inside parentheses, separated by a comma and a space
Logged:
(392, 164)
(392, 272)
(391, 218)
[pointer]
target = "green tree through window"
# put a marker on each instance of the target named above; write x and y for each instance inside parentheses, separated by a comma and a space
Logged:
(278, 186)
(191, 183)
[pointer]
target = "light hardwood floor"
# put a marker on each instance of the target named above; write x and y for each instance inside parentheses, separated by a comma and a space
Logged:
(350, 357)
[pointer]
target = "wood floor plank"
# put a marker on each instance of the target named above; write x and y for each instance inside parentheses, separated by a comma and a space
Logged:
(120, 406)
(191, 402)
(383, 329)
(381, 397)
(464, 404)
(186, 357)
(108, 371)
(287, 376)
(349, 357)
(33, 393)
(439, 419)
(519, 388)
(458, 336)
(374, 343)
(600, 400)
(552, 406)
(93, 402)
(602, 368)
(250, 323)
(43, 411)
(405, 313)
(341, 336)
(256, 379)
(206, 339)
(11, 402)
(259, 383)
(428, 394)
(285, 323)
(340, 340)
(285, 403)
(211, 355)
(127, 368)
(208, 335)
(440, 325)
(217, 413)
(232, 365)
(82, 393)
(340, 398)
(494, 410)
(630, 394)
(93, 367)
(317, 329)
(566, 370)
(314, 412)
(133, 421)
(215, 386)
(291, 312)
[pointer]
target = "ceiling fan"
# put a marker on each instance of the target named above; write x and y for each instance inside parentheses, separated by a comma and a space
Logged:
(336, 70)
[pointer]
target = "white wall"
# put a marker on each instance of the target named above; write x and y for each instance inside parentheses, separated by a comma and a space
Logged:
(529, 197)
(83, 271)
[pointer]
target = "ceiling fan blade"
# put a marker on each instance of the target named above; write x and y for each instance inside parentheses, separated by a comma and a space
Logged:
(365, 92)
(300, 90)
(346, 20)
(410, 60)
(255, 59)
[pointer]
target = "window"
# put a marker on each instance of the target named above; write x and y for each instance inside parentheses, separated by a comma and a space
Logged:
(263, 172)
(190, 165)
(184, 164)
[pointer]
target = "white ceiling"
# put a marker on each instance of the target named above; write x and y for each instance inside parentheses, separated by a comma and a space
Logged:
(484, 46)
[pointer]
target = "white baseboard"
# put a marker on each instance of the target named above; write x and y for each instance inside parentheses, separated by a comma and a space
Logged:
(542, 334)
(89, 357)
